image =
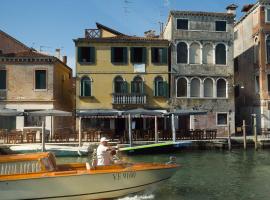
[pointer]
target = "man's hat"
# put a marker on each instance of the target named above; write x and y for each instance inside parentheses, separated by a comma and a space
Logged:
(104, 139)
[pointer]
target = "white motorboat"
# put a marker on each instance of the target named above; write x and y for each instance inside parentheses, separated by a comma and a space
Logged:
(37, 176)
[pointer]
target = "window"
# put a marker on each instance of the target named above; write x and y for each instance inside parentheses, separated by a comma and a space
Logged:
(137, 85)
(159, 55)
(181, 87)
(182, 24)
(267, 15)
(86, 54)
(236, 64)
(221, 54)
(120, 86)
(268, 83)
(33, 121)
(195, 87)
(160, 89)
(208, 54)
(182, 52)
(221, 88)
(3, 79)
(235, 34)
(208, 87)
(221, 25)
(257, 84)
(86, 87)
(268, 48)
(236, 91)
(222, 119)
(40, 79)
(138, 54)
(195, 53)
(119, 55)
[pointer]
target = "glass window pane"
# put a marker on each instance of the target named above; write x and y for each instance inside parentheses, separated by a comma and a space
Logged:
(3, 81)
(222, 119)
(41, 79)
(182, 24)
(220, 25)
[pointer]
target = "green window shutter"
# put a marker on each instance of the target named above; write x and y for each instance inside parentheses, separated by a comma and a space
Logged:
(92, 54)
(164, 55)
(125, 55)
(79, 54)
(132, 54)
(155, 88)
(132, 87)
(165, 89)
(144, 57)
(143, 85)
(125, 87)
(153, 55)
(112, 54)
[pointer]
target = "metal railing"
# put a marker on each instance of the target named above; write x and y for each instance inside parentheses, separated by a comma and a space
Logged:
(129, 99)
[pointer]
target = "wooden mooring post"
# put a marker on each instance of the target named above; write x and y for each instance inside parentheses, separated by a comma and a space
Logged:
(244, 134)
(229, 136)
(255, 131)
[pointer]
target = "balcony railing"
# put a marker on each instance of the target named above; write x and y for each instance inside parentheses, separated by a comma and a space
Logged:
(129, 99)
(92, 33)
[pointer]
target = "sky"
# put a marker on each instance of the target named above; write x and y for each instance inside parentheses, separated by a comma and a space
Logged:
(49, 24)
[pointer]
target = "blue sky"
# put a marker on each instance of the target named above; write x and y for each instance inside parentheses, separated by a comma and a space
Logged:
(49, 24)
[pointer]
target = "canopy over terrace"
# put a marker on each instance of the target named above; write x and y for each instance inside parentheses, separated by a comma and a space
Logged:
(95, 113)
(6, 112)
(179, 112)
(48, 112)
(142, 112)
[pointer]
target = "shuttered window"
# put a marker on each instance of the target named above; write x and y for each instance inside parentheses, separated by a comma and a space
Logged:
(138, 54)
(120, 86)
(137, 85)
(161, 87)
(86, 54)
(40, 79)
(159, 55)
(119, 55)
(3, 79)
(86, 89)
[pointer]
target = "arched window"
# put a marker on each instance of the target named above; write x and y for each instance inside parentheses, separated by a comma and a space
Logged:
(221, 54)
(86, 87)
(221, 88)
(160, 87)
(268, 48)
(208, 87)
(208, 54)
(181, 87)
(182, 52)
(137, 85)
(194, 53)
(119, 85)
(195, 88)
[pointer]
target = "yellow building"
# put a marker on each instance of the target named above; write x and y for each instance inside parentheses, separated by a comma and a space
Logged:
(115, 71)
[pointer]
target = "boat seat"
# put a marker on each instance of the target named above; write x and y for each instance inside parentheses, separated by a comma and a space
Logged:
(21, 167)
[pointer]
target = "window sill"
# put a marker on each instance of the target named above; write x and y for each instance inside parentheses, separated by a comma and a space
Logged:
(158, 64)
(86, 63)
(3, 90)
(40, 90)
(86, 97)
(119, 63)
(222, 125)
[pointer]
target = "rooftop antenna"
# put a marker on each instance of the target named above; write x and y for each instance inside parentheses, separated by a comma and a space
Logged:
(126, 6)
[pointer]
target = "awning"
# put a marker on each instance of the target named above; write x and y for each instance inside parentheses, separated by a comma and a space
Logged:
(179, 112)
(98, 113)
(144, 112)
(5, 112)
(50, 112)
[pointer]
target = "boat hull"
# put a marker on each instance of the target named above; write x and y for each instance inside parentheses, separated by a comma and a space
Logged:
(85, 185)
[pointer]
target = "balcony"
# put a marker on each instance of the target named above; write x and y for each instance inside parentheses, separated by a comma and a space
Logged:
(92, 33)
(135, 99)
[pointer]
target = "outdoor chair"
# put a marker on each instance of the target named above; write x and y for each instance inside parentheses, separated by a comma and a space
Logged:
(265, 132)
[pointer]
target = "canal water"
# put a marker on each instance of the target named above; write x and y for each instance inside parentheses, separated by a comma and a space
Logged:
(209, 175)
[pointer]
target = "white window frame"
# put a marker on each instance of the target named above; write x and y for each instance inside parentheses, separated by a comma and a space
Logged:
(266, 12)
(91, 87)
(217, 119)
(188, 88)
(226, 54)
(187, 52)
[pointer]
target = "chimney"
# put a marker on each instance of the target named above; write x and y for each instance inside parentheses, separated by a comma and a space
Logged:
(64, 58)
(58, 53)
(231, 9)
(150, 34)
